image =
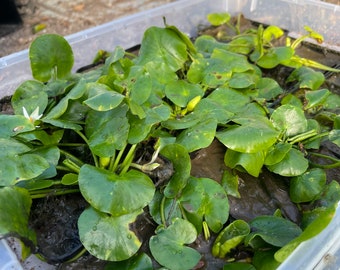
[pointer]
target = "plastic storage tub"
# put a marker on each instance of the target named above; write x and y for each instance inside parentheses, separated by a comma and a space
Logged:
(321, 252)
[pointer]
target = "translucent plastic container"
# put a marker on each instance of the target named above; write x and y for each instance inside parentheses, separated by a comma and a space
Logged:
(321, 252)
(8, 260)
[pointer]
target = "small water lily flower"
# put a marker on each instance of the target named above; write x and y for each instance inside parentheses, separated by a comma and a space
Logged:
(34, 115)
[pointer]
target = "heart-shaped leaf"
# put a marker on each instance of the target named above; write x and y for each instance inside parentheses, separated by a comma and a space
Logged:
(290, 119)
(15, 205)
(253, 135)
(180, 92)
(114, 194)
(305, 187)
(294, 163)
(50, 55)
(276, 231)
(107, 237)
(204, 198)
(168, 245)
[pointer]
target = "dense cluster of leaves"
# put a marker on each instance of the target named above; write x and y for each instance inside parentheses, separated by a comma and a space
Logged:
(81, 132)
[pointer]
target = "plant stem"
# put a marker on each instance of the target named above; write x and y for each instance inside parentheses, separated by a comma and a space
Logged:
(116, 162)
(71, 165)
(52, 192)
(161, 210)
(128, 159)
(336, 161)
(71, 157)
(95, 158)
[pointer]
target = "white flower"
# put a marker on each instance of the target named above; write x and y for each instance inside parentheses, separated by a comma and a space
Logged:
(34, 115)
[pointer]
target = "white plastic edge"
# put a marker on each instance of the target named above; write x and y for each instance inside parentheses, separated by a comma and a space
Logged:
(8, 260)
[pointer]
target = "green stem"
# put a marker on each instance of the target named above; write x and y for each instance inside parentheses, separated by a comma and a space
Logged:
(162, 212)
(128, 159)
(117, 160)
(52, 192)
(71, 157)
(95, 158)
(71, 165)
(78, 255)
(336, 161)
(303, 136)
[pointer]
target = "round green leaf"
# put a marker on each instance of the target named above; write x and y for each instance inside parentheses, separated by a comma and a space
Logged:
(307, 77)
(277, 153)
(268, 88)
(305, 187)
(180, 92)
(14, 124)
(316, 98)
(162, 45)
(238, 266)
(251, 162)
(136, 262)
(15, 205)
(275, 56)
(206, 199)
(29, 94)
(253, 135)
(108, 237)
(199, 136)
(290, 119)
(114, 194)
(50, 55)
(102, 98)
(218, 18)
(294, 163)
(168, 246)
(276, 231)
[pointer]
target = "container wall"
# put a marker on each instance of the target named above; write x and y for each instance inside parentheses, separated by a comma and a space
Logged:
(126, 32)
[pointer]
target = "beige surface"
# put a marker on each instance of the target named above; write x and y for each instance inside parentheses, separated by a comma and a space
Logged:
(66, 17)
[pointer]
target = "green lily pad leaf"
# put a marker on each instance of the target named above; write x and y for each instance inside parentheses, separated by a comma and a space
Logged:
(242, 80)
(115, 194)
(136, 262)
(268, 88)
(15, 165)
(46, 138)
(180, 92)
(290, 119)
(293, 164)
(305, 187)
(238, 266)
(163, 45)
(312, 230)
(307, 78)
(12, 125)
(316, 98)
(29, 94)
(230, 237)
(275, 56)
(107, 131)
(206, 199)
(75, 93)
(168, 245)
(209, 72)
(50, 56)
(236, 62)
(180, 159)
(274, 230)
(217, 19)
(230, 99)
(102, 98)
(277, 153)
(108, 237)
(199, 136)
(251, 162)
(64, 124)
(209, 108)
(15, 205)
(334, 136)
(207, 44)
(69, 179)
(51, 155)
(253, 135)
